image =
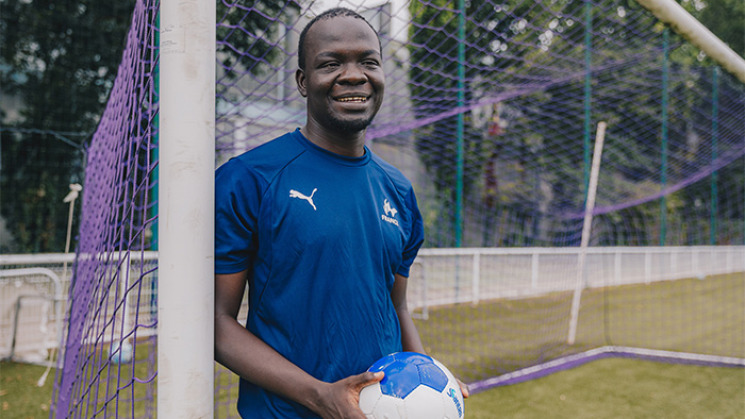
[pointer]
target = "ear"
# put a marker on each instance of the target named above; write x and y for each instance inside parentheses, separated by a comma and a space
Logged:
(300, 81)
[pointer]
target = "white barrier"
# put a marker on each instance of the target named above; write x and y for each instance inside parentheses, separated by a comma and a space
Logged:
(30, 291)
(438, 277)
(468, 275)
(33, 300)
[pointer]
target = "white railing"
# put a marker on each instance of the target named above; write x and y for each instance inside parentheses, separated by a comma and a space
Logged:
(438, 277)
(31, 313)
(33, 299)
(468, 275)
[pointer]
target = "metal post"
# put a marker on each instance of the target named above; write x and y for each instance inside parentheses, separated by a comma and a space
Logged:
(155, 144)
(461, 122)
(714, 154)
(663, 168)
(186, 205)
(588, 96)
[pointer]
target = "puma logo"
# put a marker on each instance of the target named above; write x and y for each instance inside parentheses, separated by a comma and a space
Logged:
(300, 195)
(389, 210)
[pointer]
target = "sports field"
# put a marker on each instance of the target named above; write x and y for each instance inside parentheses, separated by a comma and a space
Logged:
(619, 388)
(494, 337)
(610, 388)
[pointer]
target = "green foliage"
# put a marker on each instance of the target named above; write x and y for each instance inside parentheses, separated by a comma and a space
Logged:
(59, 59)
(245, 34)
(724, 18)
(528, 58)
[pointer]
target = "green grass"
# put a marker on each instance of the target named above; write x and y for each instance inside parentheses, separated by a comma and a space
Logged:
(20, 398)
(494, 337)
(607, 388)
(619, 388)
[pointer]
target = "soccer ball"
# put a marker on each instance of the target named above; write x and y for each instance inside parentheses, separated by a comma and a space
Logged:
(415, 386)
(121, 354)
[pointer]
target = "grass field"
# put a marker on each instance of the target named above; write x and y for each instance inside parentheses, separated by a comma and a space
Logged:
(608, 388)
(495, 337)
(619, 388)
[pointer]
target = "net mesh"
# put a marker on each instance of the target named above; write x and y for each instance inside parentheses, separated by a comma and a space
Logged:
(108, 361)
(491, 113)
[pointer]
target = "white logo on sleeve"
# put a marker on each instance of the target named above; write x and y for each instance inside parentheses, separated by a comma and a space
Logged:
(300, 195)
(390, 213)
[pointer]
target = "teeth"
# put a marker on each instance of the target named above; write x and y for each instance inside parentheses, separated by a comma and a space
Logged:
(352, 99)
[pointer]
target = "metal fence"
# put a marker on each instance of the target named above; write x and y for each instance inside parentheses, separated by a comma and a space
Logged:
(34, 288)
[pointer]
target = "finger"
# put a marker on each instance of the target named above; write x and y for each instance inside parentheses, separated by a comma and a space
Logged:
(367, 378)
(373, 377)
(464, 389)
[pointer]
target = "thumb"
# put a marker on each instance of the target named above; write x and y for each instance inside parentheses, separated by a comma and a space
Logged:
(367, 378)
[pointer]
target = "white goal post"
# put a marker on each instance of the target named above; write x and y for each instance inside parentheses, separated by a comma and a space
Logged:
(186, 209)
(586, 230)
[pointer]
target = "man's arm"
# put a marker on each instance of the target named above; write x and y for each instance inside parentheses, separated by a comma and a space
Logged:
(409, 335)
(248, 356)
(410, 339)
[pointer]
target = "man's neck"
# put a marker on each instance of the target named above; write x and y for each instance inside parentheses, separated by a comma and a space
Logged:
(345, 144)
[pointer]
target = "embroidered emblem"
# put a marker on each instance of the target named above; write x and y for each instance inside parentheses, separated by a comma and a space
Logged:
(390, 213)
(389, 210)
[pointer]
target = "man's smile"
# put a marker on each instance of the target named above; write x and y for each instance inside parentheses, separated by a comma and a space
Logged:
(355, 99)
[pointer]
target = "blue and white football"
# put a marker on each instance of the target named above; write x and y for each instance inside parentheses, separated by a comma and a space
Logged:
(415, 386)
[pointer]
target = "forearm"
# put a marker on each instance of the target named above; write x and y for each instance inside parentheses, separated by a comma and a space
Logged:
(251, 358)
(410, 339)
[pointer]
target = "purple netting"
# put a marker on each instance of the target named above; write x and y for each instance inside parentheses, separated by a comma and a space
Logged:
(670, 201)
(525, 136)
(108, 365)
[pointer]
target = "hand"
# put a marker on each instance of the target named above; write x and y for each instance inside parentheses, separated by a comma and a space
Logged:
(342, 399)
(464, 388)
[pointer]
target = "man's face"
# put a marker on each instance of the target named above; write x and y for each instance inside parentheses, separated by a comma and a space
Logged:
(343, 78)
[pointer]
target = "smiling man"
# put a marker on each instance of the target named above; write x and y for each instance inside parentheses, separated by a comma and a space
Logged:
(342, 77)
(323, 233)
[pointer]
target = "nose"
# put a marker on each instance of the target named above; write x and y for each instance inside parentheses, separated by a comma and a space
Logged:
(352, 74)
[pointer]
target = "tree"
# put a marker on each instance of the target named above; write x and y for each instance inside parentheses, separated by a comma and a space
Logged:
(245, 33)
(60, 60)
(529, 58)
(726, 19)
(511, 50)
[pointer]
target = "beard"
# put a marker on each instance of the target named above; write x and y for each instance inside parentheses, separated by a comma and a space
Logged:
(349, 126)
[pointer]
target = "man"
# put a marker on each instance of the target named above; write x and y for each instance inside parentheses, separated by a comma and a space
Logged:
(324, 233)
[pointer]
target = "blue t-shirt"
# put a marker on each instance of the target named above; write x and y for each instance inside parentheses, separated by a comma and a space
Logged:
(321, 236)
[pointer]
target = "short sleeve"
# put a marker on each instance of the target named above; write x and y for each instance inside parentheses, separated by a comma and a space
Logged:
(416, 236)
(238, 193)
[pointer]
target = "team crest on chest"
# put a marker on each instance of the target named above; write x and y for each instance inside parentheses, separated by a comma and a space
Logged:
(389, 213)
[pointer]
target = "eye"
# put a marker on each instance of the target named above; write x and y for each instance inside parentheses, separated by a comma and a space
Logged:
(329, 65)
(371, 63)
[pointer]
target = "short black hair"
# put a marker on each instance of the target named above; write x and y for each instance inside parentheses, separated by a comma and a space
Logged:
(328, 14)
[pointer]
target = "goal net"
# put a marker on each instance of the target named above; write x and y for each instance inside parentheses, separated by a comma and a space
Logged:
(490, 109)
